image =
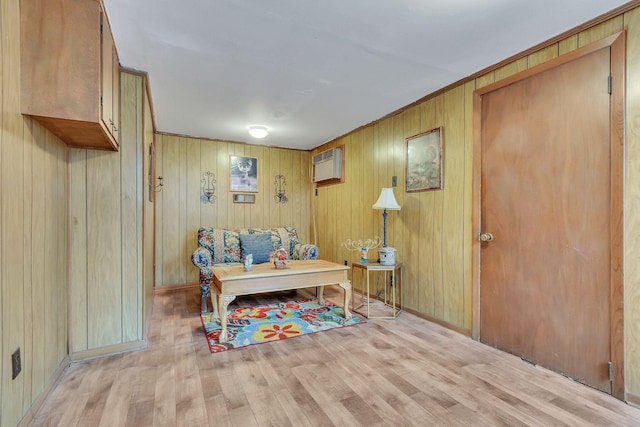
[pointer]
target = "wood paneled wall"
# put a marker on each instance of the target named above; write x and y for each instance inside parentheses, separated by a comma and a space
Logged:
(181, 161)
(432, 233)
(33, 236)
(106, 235)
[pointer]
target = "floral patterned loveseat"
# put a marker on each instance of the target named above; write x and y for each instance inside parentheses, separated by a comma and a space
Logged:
(222, 245)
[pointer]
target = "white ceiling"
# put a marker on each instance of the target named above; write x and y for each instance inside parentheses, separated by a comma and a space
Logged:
(312, 70)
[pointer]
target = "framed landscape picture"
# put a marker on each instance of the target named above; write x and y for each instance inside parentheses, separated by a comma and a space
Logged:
(424, 161)
(244, 173)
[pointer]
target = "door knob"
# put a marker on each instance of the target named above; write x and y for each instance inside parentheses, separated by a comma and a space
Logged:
(486, 237)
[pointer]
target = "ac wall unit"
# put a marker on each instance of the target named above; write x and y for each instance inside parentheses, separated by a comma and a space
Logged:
(327, 165)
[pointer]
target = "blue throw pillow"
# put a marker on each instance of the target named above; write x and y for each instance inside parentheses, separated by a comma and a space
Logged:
(257, 244)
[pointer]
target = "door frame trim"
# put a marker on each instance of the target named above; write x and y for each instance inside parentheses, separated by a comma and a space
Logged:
(617, 45)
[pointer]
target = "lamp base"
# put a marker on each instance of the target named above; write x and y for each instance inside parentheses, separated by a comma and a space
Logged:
(387, 256)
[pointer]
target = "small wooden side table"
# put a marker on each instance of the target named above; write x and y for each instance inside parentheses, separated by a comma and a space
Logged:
(392, 292)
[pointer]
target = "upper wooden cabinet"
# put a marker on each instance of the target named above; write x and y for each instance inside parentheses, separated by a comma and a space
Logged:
(70, 73)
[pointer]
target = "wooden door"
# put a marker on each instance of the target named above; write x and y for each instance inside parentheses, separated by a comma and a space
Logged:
(546, 179)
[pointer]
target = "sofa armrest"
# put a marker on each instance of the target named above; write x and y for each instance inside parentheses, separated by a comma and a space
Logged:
(202, 257)
(305, 251)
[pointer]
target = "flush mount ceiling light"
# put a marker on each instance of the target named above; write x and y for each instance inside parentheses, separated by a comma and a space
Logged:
(258, 131)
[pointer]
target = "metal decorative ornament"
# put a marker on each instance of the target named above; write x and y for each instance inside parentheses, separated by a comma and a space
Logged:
(281, 193)
(208, 189)
(362, 246)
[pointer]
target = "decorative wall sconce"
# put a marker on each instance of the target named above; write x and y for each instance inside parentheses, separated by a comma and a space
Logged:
(158, 187)
(281, 193)
(363, 246)
(208, 189)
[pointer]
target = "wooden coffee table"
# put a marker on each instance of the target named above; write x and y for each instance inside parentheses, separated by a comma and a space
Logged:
(231, 280)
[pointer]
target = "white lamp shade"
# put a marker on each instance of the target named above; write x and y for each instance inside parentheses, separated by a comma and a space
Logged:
(387, 200)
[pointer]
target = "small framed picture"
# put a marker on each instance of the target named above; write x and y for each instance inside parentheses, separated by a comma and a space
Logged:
(424, 161)
(244, 173)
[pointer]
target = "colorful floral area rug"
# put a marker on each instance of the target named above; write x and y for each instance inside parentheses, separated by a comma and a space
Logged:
(273, 322)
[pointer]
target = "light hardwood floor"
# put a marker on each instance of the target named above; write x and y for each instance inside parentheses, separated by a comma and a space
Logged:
(386, 372)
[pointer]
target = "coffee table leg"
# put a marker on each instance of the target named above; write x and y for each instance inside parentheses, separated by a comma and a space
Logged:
(224, 301)
(321, 295)
(347, 297)
(214, 303)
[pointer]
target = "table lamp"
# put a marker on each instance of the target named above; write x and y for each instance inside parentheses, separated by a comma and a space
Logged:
(387, 200)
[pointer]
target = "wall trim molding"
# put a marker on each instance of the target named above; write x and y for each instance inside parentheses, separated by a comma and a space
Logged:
(230, 141)
(633, 399)
(108, 350)
(174, 288)
(46, 391)
(440, 322)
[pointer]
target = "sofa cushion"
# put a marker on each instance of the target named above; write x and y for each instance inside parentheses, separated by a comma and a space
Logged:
(260, 245)
(291, 238)
(306, 251)
(223, 244)
(282, 237)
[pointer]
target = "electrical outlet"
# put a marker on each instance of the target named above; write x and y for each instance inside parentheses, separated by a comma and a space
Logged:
(345, 262)
(16, 366)
(394, 181)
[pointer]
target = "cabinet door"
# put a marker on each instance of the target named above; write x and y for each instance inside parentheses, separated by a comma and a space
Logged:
(116, 95)
(106, 71)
